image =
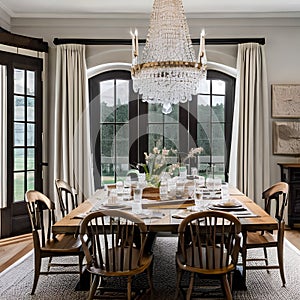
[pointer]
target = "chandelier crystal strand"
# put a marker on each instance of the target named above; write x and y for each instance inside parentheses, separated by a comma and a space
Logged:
(168, 72)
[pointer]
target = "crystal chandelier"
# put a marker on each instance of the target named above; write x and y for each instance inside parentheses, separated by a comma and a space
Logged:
(168, 72)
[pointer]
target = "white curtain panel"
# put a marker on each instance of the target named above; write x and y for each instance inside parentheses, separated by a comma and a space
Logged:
(72, 149)
(3, 136)
(250, 152)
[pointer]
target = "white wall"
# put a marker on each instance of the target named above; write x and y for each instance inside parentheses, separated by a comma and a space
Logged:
(281, 32)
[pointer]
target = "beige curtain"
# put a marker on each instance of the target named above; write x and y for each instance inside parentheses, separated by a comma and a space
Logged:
(3, 136)
(72, 149)
(250, 151)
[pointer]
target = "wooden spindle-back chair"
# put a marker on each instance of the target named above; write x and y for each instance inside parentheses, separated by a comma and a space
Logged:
(208, 245)
(67, 196)
(275, 198)
(116, 247)
(42, 217)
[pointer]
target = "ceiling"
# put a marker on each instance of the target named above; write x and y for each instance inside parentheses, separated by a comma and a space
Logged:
(77, 8)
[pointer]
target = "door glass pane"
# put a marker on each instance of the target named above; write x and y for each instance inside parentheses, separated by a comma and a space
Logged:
(19, 186)
(30, 134)
(19, 159)
(173, 116)
(30, 83)
(203, 111)
(122, 96)
(30, 159)
(19, 80)
(218, 114)
(204, 87)
(122, 142)
(107, 107)
(203, 136)
(171, 134)
(155, 135)
(19, 134)
(107, 173)
(122, 150)
(30, 109)
(218, 87)
(218, 147)
(107, 139)
(19, 109)
(30, 180)
(154, 113)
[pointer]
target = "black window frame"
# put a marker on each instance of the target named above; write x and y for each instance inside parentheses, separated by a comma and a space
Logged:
(138, 128)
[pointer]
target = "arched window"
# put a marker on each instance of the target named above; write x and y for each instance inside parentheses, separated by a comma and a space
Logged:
(123, 127)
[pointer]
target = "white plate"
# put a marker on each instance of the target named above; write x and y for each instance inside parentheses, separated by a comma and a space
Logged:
(114, 206)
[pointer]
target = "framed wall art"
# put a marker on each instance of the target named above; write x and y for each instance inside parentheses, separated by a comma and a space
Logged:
(286, 138)
(285, 100)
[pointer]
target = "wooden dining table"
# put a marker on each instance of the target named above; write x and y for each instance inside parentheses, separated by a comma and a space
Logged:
(165, 216)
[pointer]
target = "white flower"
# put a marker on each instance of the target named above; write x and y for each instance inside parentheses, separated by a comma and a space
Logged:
(193, 152)
(146, 156)
(165, 152)
(155, 150)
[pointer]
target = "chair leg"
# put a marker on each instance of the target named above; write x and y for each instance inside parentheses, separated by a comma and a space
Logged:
(37, 269)
(129, 280)
(190, 289)
(280, 262)
(244, 261)
(226, 287)
(266, 258)
(149, 276)
(81, 257)
(94, 287)
(49, 263)
(230, 279)
(179, 276)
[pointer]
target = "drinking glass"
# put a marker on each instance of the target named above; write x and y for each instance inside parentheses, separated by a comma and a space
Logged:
(172, 187)
(127, 181)
(199, 182)
(180, 184)
(182, 172)
(163, 190)
(210, 184)
(217, 184)
(198, 197)
(190, 190)
(119, 186)
(225, 191)
(137, 195)
(137, 200)
(126, 193)
(194, 172)
(112, 198)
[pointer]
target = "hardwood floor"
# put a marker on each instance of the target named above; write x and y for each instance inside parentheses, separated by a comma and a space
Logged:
(293, 236)
(12, 249)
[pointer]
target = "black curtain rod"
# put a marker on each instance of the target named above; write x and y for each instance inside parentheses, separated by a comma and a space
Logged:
(225, 41)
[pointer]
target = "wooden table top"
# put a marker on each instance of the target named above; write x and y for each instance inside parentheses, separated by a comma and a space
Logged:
(166, 217)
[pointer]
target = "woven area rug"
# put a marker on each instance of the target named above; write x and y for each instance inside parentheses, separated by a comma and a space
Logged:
(16, 282)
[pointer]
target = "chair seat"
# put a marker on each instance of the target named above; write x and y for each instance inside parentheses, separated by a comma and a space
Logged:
(255, 239)
(65, 243)
(122, 268)
(193, 261)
